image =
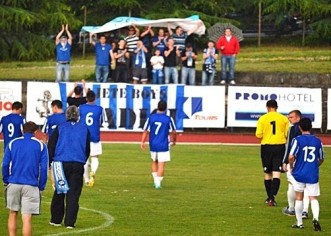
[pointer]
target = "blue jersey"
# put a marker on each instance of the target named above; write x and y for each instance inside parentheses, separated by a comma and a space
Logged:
(308, 150)
(91, 115)
(159, 125)
(25, 162)
(11, 127)
(63, 52)
(52, 121)
(102, 54)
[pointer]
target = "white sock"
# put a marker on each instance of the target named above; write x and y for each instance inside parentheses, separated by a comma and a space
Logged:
(86, 173)
(154, 174)
(298, 211)
(158, 180)
(94, 164)
(315, 208)
(290, 197)
(305, 202)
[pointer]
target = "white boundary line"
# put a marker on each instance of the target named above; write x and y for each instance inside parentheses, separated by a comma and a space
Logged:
(109, 220)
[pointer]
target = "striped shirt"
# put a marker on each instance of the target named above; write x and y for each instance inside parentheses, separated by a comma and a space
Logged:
(131, 42)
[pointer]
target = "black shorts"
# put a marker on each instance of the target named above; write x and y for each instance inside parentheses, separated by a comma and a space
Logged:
(272, 157)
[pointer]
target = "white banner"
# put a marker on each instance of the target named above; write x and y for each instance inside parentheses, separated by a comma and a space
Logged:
(127, 106)
(329, 110)
(247, 104)
(10, 92)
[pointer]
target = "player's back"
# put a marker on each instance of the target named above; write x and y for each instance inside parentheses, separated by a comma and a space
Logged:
(272, 128)
(12, 127)
(92, 116)
(308, 150)
(159, 125)
(52, 121)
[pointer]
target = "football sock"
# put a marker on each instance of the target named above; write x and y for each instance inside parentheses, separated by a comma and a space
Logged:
(275, 186)
(305, 201)
(86, 172)
(267, 185)
(154, 174)
(290, 197)
(94, 164)
(298, 211)
(315, 208)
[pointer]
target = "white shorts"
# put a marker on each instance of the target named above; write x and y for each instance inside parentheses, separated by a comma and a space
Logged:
(95, 149)
(288, 173)
(312, 190)
(160, 156)
(23, 197)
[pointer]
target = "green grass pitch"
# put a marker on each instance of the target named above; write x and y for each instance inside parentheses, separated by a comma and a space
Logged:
(207, 190)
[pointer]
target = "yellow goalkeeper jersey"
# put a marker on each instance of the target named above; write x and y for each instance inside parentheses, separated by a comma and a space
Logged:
(272, 128)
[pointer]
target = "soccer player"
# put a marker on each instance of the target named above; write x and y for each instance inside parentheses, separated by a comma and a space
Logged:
(306, 155)
(55, 119)
(92, 115)
(68, 148)
(294, 118)
(158, 126)
(24, 173)
(272, 129)
(11, 125)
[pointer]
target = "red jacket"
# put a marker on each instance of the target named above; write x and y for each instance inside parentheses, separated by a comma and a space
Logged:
(230, 48)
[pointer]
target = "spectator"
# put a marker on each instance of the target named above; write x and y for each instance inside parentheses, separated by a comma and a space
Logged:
(188, 56)
(132, 38)
(92, 116)
(11, 126)
(139, 62)
(121, 57)
(228, 45)
(63, 49)
(103, 55)
(146, 38)
(160, 41)
(159, 126)
(24, 173)
(77, 91)
(69, 148)
(171, 54)
(157, 62)
(180, 36)
(210, 56)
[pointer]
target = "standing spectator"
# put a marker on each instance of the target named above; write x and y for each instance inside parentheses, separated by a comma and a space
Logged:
(160, 41)
(11, 126)
(139, 62)
(171, 54)
(24, 173)
(272, 129)
(55, 119)
(158, 126)
(103, 55)
(157, 62)
(146, 38)
(228, 45)
(92, 116)
(77, 91)
(132, 38)
(210, 56)
(69, 148)
(121, 57)
(180, 36)
(63, 54)
(188, 56)
(306, 155)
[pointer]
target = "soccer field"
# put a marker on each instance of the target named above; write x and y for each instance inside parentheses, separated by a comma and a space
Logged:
(207, 190)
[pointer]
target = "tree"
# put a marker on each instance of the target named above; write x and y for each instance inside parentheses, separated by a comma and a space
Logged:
(26, 27)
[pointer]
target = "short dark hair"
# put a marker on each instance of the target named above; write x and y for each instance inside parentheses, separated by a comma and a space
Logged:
(162, 105)
(296, 112)
(305, 124)
(30, 127)
(78, 90)
(90, 96)
(272, 103)
(17, 105)
(57, 103)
